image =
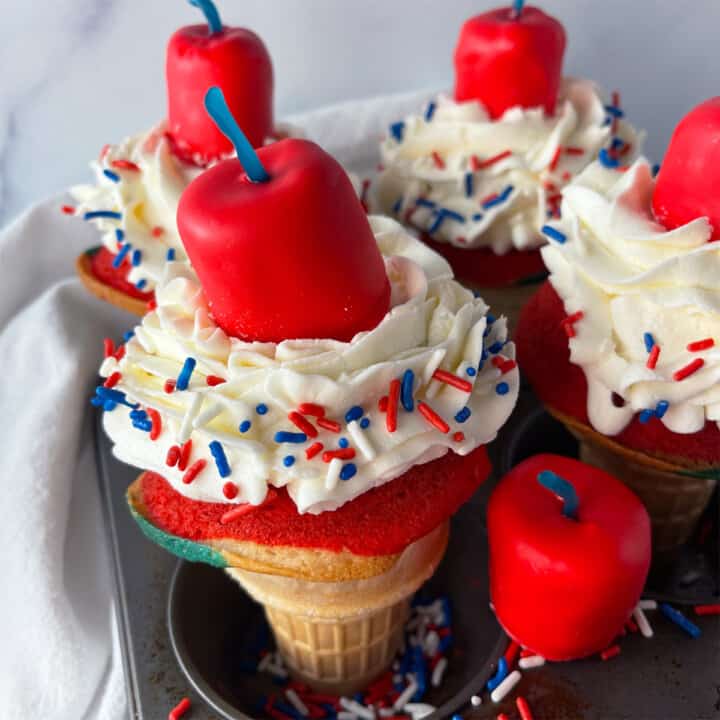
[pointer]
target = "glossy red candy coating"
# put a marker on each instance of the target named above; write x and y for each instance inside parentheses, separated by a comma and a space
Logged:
(293, 257)
(237, 61)
(506, 61)
(689, 178)
(564, 588)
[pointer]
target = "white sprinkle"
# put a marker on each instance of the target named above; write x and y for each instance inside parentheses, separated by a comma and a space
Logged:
(109, 366)
(386, 712)
(419, 710)
(476, 701)
(357, 709)
(346, 716)
(429, 609)
(500, 692)
(144, 339)
(207, 415)
(264, 662)
(361, 440)
(647, 605)
(190, 413)
(438, 672)
(432, 643)
(532, 661)
(296, 702)
(642, 622)
(333, 473)
(276, 670)
(405, 695)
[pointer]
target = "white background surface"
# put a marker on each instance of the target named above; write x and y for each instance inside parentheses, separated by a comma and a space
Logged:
(79, 73)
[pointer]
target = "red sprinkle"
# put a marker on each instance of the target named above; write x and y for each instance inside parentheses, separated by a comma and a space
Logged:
(185, 451)
(67, 209)
(326, 424)
(713, 609)
(555, 159)
(341, 454)
(313, 450)
(245, 508)
(392, 406)
(699, 345)
(458, 437)
(213, 380)
(119, 353)
(169, 386)
(108, 347)
(173, 455)
(157, 231)
(439, 162)
(113, 380)
(302, 424)
(154, 415)
(631, 625)
(524, 708)
(505, 365)
(653, 357)
(569, 323)
(230, 490)
(151, 304)
(432, 417)
(573, 151)
(477, 164)
(688, 370)
(511, 653)
(179, 710)
(194, 470)
(104, 150)
(125, 165)
(611, 652)
(311, 409)
(383, 403)
(448, 378)
(502, 716)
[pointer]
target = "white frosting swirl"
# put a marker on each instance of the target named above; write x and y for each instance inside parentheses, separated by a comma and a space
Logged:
(430, 166)
(635, 283)
(433, 323)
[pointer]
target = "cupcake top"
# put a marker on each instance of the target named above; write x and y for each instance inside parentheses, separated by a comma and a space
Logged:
(643, 303)
(223, 420)
(474, 182)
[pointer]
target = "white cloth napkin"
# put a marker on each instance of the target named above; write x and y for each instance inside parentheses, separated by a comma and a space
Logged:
(59, 655)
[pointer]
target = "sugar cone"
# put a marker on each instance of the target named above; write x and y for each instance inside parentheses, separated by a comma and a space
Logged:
(674, 497)
(337, 637)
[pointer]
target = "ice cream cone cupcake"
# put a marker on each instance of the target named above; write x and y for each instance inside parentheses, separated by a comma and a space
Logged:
(479, 173)
(620, 344)
(310, 402)
(138, 182)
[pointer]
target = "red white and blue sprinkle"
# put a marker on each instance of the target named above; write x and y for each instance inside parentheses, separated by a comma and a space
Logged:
(406, 390)
(554, 234)
(502, 388)
(120, 257)
(282, 436)
(98, 214)
(221, 462)
(183, 379)
(261, 408)
(463, 415)
(110, 175)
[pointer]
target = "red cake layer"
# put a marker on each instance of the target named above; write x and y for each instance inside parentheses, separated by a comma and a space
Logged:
(383, 521)
(482, 267)
(544, 356)
(103, 270)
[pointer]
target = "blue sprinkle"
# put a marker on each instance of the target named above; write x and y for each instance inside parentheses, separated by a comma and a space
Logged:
(500, 199)
(136, 257)
(477, 217)
(343, 443)
(144, 425)
(608, 121)
(119, 234)
(443, 214)
(138, 414)
(170, 255)
(406, 390)
(469, 183)
(397, 207)
(430, 111)
(283, 436)
(496, 347)
(109, 405)
(483, 358)
(261, 409)
(500, 675)
(117, 396)
(554, 233)
(221, 462)
(289, 460)
(354, 413)
(607, 160)
(183, 379)
(140, 284)
(471, 371)
(110, 175)
(617, 143)
(365, 423)
(679, 619)
(96, 401)
(245, 426)
(655, 170)
(649, 341)
(348, 470)
(614, 111)
(463, 415)
(646, 416)
(120, 257)
(129, 334)
(490, 319)
(452, 215)
(423, 202)
(661, 408)
(502, 388)
(95, 214)
(397, 130)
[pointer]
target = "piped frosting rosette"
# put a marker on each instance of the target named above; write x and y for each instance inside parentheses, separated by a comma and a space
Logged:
(226, 421)
(643, 303)
(477, 183)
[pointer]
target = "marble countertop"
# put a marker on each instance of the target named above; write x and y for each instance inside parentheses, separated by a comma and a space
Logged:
(79, 73)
